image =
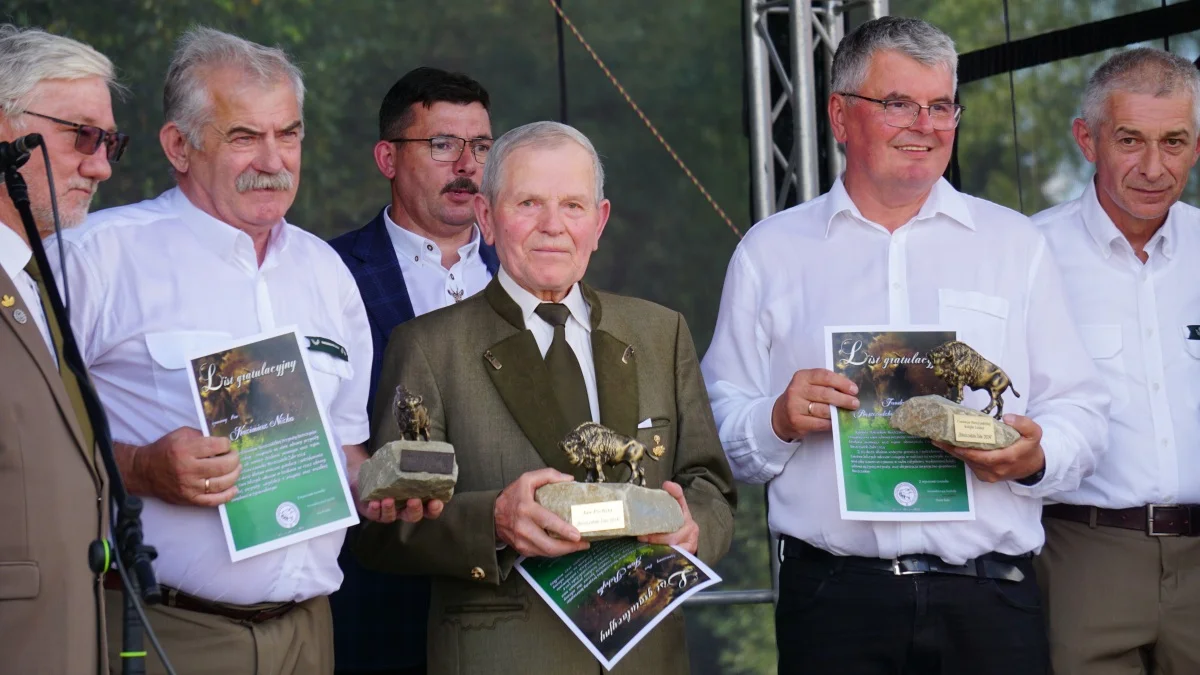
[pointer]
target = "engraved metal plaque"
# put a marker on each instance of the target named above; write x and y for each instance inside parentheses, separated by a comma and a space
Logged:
(425, 461)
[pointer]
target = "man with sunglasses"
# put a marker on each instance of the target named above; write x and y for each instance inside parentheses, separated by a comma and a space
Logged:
(53, 488)
(892, 243)
(422, 252)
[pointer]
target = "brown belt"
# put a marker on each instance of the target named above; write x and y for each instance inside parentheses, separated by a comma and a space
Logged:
(178, 599)
(1156, 520)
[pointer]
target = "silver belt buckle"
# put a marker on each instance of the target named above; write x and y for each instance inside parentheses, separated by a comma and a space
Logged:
(901, 572)
(1150, 509)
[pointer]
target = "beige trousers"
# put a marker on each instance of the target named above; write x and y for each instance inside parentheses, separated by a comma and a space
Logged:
(1119, 602)
(297, 643)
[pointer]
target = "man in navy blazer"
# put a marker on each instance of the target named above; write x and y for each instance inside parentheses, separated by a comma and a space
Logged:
(422, 252)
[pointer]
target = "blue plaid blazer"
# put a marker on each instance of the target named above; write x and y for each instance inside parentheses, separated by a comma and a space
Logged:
(379, 619)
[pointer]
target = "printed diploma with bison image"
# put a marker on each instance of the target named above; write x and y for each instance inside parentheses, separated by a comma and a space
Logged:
(947, 420)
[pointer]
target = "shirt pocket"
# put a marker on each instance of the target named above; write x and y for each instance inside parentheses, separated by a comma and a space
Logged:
(329, 373)
(978, 319)
(1103, 343)
(169, 352)
(1191, 346)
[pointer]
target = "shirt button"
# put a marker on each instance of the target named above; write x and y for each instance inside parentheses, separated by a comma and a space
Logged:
(428, 247)
(451, 277)
(477, 573)
(416, 258)
(1154, 386)
(896, 285)
(1165, 443)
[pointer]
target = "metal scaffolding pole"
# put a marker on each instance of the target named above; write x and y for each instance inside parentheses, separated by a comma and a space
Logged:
(786, 103)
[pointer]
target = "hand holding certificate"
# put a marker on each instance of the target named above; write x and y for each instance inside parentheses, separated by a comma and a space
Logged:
(258, 395)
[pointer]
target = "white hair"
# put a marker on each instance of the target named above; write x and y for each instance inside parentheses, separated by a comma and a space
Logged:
(914, 38)
(535, 135)
(186, 100)
(30, 55)
(1140, 71)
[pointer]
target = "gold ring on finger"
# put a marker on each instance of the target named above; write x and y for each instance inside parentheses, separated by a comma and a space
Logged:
(206, 485)
(810, 412)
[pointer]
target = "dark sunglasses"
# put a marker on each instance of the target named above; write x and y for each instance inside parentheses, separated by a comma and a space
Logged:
(88, 139)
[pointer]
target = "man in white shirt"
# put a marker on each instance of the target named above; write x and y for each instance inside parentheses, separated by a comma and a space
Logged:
(893, 243)
(422, 252)
(207, 262)
(1121, 566)
(53, 487)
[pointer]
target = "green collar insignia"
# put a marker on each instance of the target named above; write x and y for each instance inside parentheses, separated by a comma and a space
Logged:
(320, 344)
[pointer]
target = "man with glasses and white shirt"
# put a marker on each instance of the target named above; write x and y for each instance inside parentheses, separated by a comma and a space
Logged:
(1121, 566)
(422, 252)
(893, 243)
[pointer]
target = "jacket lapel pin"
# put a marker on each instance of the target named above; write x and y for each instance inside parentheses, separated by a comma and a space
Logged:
(491, 359)
(628, 355)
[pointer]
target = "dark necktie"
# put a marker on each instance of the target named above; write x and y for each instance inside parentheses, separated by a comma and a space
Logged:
(70, 383)
(565, 374)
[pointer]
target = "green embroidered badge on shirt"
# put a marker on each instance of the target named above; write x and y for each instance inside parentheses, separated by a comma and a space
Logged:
(320, 344)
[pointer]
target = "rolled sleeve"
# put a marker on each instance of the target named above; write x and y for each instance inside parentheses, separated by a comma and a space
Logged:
(737, 371)
(1068, 399)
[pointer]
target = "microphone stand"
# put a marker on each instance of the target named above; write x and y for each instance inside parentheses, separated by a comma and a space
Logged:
(132, 554)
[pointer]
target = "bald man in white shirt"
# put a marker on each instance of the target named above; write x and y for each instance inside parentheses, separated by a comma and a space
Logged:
(893, 243)
(1121, 566)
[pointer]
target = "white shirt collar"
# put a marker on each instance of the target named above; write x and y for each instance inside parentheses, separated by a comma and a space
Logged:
(412, 246)
(943, 199)
(14, 252)
(1104, 232)
(224, 239)
(528, 302)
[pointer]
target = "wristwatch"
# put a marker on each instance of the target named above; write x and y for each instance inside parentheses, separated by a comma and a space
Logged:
(1033, 479)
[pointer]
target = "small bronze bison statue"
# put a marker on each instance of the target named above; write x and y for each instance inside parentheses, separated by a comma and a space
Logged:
(960, 366)
(594, 445)
(411, 416)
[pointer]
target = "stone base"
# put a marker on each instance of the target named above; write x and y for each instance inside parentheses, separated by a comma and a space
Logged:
(381, 477)
(646, 511)
(932, 417)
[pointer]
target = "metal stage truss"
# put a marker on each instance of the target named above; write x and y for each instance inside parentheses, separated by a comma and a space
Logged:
(788, 42)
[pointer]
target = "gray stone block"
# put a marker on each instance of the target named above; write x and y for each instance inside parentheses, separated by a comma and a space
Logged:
(932, 417)
(647, 511)
(383, 475)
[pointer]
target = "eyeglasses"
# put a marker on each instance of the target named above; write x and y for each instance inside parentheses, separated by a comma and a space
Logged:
(88, 139)
(450, 148)
(903, 114)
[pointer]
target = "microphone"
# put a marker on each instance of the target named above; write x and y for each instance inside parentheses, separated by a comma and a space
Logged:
(15, 153)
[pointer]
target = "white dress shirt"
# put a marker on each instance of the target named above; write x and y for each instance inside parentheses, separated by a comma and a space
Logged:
(154, 281)
(1134, 320)
(578, 330)
(963, 263)
(431, 286)
(14, 256)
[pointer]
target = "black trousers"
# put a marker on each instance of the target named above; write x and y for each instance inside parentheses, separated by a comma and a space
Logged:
(834, 619)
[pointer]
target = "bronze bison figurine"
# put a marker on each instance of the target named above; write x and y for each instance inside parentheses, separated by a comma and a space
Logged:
(958, 365)
(595, 445)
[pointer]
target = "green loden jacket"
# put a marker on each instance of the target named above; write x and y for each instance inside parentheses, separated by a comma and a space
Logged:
(488, 393)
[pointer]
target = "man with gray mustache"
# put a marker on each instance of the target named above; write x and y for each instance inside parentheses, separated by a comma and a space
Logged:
(205, 263)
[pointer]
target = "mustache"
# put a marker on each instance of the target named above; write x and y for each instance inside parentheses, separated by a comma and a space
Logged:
(461, 183)
(253, 179)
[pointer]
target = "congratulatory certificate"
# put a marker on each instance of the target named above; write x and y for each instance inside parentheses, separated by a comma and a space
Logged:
(883, 473)
(258, 394)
